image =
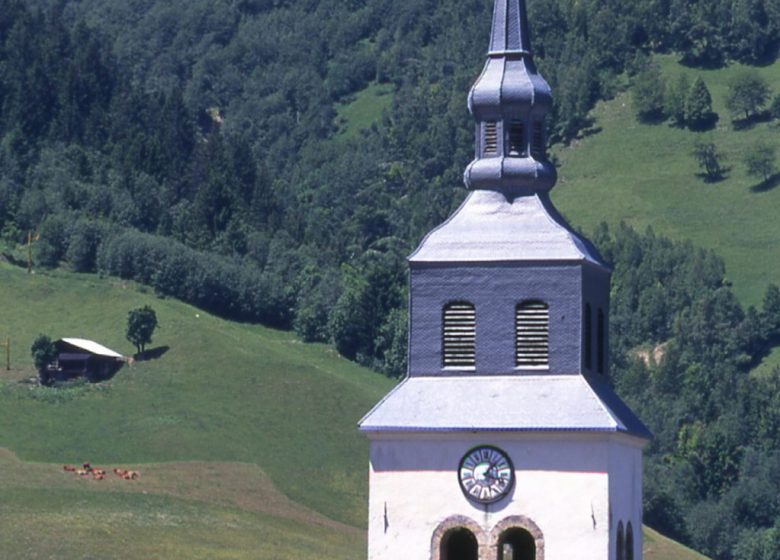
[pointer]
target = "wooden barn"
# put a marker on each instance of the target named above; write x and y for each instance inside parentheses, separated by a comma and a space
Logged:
(77, 357)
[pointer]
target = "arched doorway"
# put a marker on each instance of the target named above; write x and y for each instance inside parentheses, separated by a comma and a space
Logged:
(516, 544)
(459, 544)
(517, 538)
(458, 538)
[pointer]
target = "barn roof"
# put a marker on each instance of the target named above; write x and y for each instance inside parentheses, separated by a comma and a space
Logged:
(503, 403)
(92, 347)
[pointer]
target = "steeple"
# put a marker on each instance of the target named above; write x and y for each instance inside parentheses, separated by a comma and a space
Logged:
(509, 102)
(505, 438)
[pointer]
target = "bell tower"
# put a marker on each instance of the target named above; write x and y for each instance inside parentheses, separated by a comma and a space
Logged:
(505, 441)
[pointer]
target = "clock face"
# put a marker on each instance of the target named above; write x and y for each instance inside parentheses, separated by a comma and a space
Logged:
(486, 474)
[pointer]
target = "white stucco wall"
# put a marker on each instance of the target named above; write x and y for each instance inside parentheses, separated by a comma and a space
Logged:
(625, 488)
(562, 484)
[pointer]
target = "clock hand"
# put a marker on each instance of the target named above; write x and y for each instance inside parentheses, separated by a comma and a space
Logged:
(492, 471)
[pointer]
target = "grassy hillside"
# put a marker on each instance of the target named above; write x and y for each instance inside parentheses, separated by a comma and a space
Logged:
(363, 109)
(657, 547)
(645, 175)
(174, 510)
(244, 438)
(222, 392)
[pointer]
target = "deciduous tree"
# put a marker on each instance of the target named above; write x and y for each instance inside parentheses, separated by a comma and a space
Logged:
(648, 93)
(774, 108)
(43, 353)
(761, 161)
(141, 323)
(676, 101)
(709, 159)
(747, 94)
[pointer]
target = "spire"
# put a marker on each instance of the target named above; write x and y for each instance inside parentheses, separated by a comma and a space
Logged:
(509, 102)
(510, 29)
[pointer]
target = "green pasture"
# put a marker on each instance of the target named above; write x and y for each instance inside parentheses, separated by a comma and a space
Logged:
(244, 437)
(645, 175)
(221, 392)
(769, 364)
(363, 109)
(657, 547)
(173, 511)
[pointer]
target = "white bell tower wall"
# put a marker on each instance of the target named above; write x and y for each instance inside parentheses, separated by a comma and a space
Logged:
(570, 491)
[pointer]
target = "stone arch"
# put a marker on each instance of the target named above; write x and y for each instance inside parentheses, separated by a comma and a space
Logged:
(512, 523)
(454, 523)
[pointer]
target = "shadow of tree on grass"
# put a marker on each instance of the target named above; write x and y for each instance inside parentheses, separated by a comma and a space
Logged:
(712, 178)
(151, 354)
(768, 185)
(749, 122)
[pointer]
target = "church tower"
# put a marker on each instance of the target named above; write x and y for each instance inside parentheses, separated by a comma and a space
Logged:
(505, 441)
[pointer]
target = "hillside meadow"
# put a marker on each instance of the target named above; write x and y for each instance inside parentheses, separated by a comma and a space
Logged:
(220, 393)
(646, 176)
(244, 437)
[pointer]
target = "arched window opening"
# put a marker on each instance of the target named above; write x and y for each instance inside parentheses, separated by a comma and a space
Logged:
(459, 544)
(516, 139)
(491, 138)
(587, 335)
(516, 544)
(600, 343)
(537, 140)
(629, 542)
(459, 335)
(532, 334)
(619, 549)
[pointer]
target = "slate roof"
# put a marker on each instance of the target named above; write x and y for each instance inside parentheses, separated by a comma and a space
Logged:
(509, 32)
(503, 403)
(509, 78)
(489, 227)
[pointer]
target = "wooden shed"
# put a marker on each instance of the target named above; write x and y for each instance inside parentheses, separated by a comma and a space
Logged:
(78, 357)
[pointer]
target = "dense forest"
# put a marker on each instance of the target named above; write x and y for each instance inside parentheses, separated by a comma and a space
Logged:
(195, 147)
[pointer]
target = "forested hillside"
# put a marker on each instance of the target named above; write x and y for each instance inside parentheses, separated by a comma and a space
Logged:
(198, 147)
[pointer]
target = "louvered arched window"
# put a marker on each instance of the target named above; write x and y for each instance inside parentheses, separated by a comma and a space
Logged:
(490, 140)
(459, 334)
(516, 139)
(619, 546)
(532, 335)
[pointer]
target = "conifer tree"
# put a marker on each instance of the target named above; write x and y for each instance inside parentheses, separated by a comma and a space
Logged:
(698, 106)
(676, 100)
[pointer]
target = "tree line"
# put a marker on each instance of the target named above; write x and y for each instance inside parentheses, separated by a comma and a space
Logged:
(683, 349)
(195, 147)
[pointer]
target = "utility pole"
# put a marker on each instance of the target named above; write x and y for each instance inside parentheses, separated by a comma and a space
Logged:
(29, 251)
(30, 239)
(7, 346)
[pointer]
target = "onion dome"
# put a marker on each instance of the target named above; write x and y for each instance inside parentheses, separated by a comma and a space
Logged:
(509, 102)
